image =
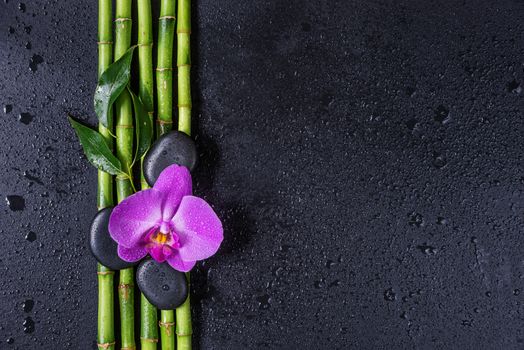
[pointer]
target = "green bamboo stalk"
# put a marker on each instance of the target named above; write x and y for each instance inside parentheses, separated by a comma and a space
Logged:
(184, 65)
(148, 313)
(164, 70)
(164, 81)
(184, 328)
(167, 334)
(106, 331)
(124, 185)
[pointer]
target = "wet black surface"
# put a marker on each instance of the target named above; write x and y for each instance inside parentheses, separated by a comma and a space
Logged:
(365, 156)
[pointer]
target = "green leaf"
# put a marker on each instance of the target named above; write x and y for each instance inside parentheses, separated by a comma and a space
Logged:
(144, 127)
(111, 84)
(96, 149)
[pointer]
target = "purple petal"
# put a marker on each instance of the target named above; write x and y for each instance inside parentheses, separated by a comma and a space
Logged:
(174, 183)
(199, 229)
(157, 253)
(131, 254)
(178, 264)
(135, 216)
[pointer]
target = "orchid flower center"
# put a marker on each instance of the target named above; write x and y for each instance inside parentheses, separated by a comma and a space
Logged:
(161, 241)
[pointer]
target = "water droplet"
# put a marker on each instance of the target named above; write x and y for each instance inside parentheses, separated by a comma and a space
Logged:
(427, 249)
(31, 236)
(15, 203)
(29, 325)
(35, 61)
(10, 340)
(516, 292)
(416, 219)
(11, 30)
(21, 7)
(165, 287)
(412, 124)
(439, 161)
(25, 118)
(442, 115)
(264, 302)
(389, 295)
(514, 87)
(27, 305)
(442, 221)
(28, 29)
(8, 108)
(28, 45)
(474, 240)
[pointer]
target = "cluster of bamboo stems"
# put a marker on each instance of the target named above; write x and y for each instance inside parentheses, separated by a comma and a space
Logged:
(122, 122)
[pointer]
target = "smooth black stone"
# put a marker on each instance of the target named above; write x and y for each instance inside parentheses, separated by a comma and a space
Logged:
(164, 287)
(174, 147)
(103, 247)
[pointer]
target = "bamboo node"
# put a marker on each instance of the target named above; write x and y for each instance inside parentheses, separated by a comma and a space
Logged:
(104, 42)
(146, 44)
(181, 105)
(128, 348)
(151, 112)
(163, 69)
(183, 31)
(105, 346)
(184, 65)
(182, 334)
(121, 177)
(103, 273)
(124, 126)
(166, 17)
(125, 288)
(162, 122)
(167, 326)
(149, 340)
(122, 19)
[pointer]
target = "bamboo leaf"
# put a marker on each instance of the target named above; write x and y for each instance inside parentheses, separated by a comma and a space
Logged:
(111, 84)
(96, 149)
(143, 128)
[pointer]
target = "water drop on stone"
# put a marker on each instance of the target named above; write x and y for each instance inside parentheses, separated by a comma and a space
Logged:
(31, 236)
(442, 221)
(389, 295)
(25, 118)
(28, 305)
(165, 287)
(21, 7)
(8, 108)
(439, 161)
(514, 87)
(11, 30)
(15, 203)
(29, 325)
(412, 124)
(28, 45)
(416, 219)
(442, 115)
(10, 341)
(35, 61)
(427, 249)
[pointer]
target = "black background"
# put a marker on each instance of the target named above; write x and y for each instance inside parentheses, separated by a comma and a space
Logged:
(365, 156)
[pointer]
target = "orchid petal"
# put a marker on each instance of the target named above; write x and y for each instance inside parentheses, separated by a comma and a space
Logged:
(199, 229)
(135, 216)
(174, 183)
(156, 251)
(131, 254)
(178, 264)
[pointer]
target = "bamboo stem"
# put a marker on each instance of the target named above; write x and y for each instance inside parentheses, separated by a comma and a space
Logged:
(167, 329)
(184, 328)
(124, 186)
(164, 79)
(184, 65)
(164, 70)
(106, 331)
(148, 313)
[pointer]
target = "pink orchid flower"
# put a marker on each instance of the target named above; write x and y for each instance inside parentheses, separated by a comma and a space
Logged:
(166, 222)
